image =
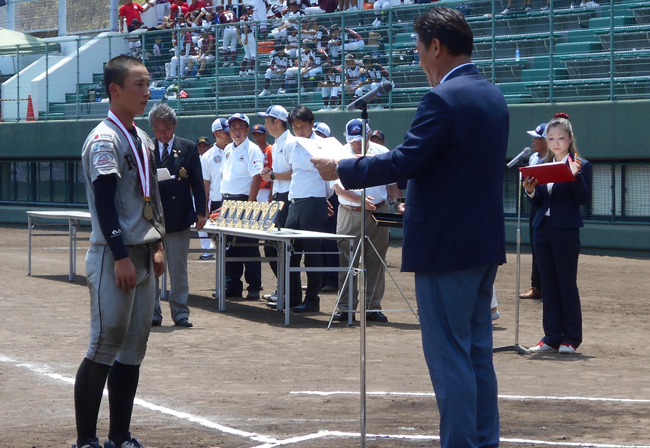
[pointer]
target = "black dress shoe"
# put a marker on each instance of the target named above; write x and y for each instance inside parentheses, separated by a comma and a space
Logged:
(343, 317)
(376, 316)
(156, 323)
(183, 322)
(233, 294)
(307, 307)
(253, 295)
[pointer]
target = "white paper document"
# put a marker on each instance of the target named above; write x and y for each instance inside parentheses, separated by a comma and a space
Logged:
(324, 147)
(163, 174)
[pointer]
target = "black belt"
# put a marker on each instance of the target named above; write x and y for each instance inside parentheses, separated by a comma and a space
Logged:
(296, 200)
(235, 197)
(281, 196)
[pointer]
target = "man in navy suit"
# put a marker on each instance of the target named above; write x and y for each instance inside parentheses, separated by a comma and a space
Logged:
(181, 157)
(454, 237)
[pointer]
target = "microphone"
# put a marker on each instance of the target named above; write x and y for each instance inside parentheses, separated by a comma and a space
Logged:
(525, 153)
(383, 88)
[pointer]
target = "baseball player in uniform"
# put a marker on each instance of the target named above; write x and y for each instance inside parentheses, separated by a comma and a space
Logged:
(279, 63)
(349, 223)
(229, 35)
(241, 169)
(125, 255)
(275, 122)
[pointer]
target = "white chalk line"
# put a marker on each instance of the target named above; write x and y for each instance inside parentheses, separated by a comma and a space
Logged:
(503, 397)
(271, 442)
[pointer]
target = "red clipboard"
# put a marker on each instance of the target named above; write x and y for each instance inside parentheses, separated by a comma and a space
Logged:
(548, 172)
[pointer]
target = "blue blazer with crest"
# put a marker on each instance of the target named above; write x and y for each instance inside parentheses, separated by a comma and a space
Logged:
(176, 194)
(453, 157)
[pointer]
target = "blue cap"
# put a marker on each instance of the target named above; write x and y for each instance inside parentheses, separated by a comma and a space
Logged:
(239, 116)
(220, 124)
(539, 132)
(322, 128)
(259, 128)
(353, 130)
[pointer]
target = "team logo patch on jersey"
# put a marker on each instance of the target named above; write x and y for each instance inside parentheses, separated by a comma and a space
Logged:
(241, 158)
(101, 146)
(104, 160)
(227, 155)
(217, 159)
(103, 137)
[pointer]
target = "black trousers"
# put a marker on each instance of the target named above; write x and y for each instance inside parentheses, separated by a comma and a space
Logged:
(557, 251)
(331, 260)
(307, 214)
(271, 251)
(235, 269)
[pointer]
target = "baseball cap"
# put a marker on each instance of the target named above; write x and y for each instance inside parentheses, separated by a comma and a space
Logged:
(220, 124)
(275, 111)
(219, 7)
(539, 132)
(259, 128)
(322, 128)
(349, 57)
(136, 21)
(180, 16)
(203, 140)
(239, 116)
(379, 134)
(292, 2)
(353, 130)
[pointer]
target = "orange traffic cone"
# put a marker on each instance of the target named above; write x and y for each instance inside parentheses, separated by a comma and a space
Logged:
(30, 109)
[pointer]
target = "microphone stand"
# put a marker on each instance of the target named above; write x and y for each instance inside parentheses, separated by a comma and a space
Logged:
(516, 347)
(362, 287)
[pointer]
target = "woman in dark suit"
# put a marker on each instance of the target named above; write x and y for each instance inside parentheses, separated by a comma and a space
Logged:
(557, 239)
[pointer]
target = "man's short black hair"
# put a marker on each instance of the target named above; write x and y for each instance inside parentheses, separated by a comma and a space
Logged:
(449, 27)
(302, 113)
(117, 70)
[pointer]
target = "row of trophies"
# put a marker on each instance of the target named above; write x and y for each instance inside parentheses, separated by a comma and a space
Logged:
(248, 215)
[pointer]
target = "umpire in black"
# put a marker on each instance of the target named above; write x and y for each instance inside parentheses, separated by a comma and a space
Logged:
(181, 157)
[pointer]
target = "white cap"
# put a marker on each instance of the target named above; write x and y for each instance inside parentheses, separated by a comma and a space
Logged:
(322, 128)
(276, 111)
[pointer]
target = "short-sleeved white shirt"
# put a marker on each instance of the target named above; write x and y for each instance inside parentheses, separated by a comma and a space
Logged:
(305, 179)
(378, 193)
(239, 165)
(281, 160)
(211, 161)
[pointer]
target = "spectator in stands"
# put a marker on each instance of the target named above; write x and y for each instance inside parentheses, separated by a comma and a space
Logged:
(527, 7)
(162, 10)
(331, 86)
(378, 7)
(260, 15)
(324, 6)
(183, 49)
(353, 42)
(377, 136)
(130, 11)
(352, 75)
(206, 19)
(278, 64)
(311, 60)
(206, 54)
(229, 35)
(247, 40)
(290, 19)
(196, 5)
(135, 47)
(178, 7)
(317, 32)
(137, 24)
(371, 74)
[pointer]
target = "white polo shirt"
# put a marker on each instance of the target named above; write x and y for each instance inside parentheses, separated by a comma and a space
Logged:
(211, 162)
(238, 167)
(281, 161)
(305, 180)
(378, 193)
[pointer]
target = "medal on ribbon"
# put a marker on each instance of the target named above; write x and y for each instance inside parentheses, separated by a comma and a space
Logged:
(143, 166)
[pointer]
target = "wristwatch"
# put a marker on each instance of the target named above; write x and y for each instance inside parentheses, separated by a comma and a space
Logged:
(272, 175)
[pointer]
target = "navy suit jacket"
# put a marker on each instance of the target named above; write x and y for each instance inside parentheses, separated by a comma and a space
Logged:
(176, 194)
(453, 157)
(564, 201)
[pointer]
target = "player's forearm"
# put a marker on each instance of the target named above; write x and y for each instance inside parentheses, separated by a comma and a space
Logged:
(255, 188)
(105, 188)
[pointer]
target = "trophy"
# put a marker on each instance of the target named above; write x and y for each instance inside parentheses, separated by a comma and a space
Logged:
(225, 218)
(255, 216)
(268, 222)
(246, 216)
(241, 209)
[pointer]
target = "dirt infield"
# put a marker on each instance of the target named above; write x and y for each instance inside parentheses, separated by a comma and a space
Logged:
(243, 379)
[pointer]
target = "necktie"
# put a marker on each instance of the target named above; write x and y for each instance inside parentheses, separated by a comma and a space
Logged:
(164, 159)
